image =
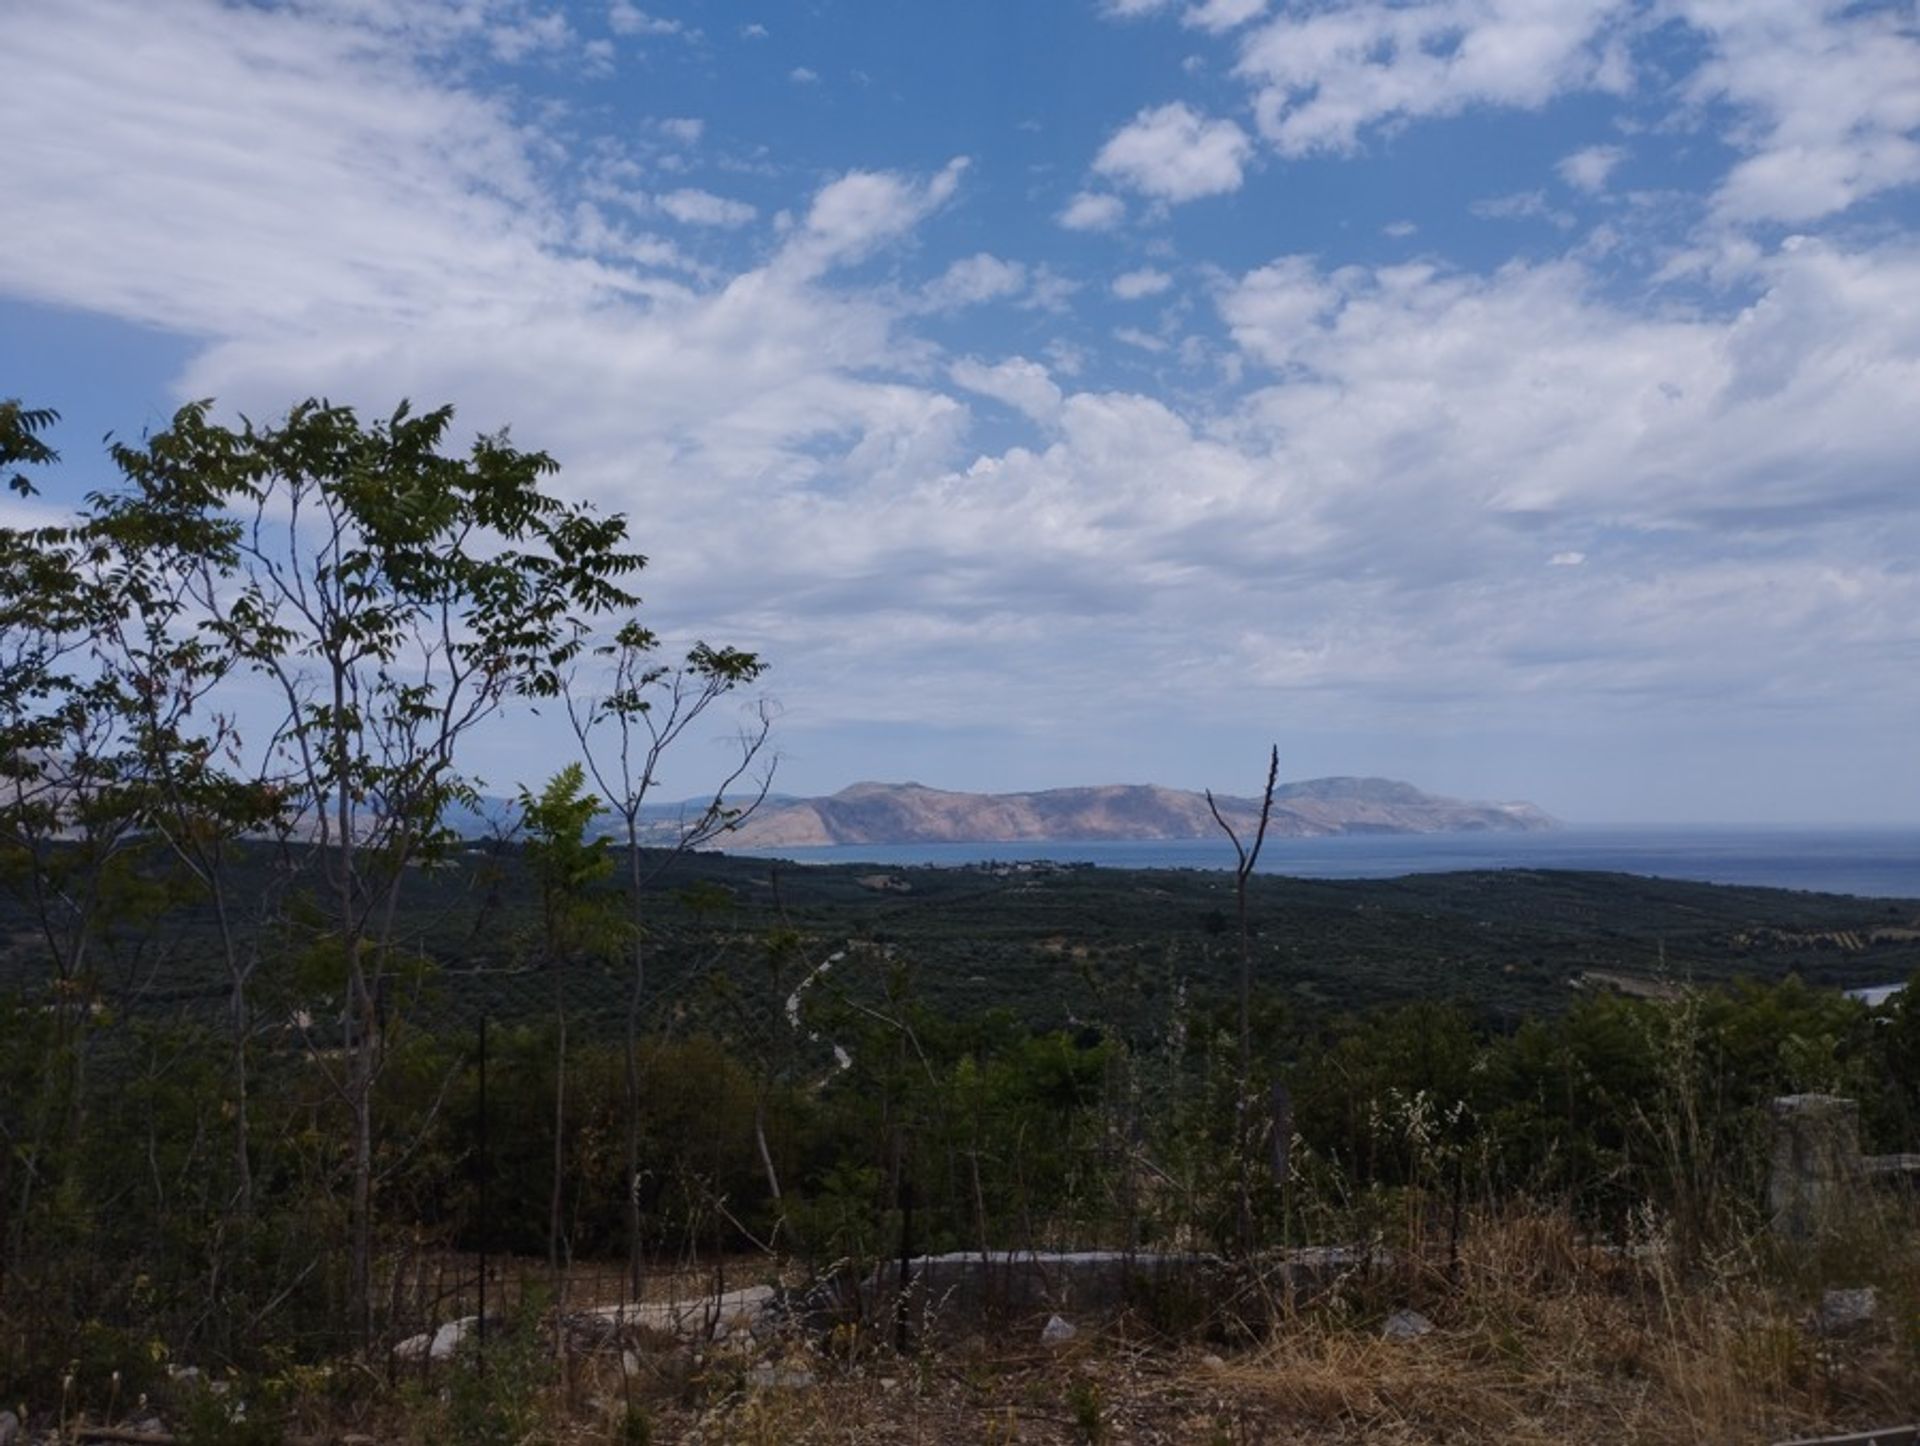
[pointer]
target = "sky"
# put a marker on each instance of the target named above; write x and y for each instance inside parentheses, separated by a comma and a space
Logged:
(1517, 397)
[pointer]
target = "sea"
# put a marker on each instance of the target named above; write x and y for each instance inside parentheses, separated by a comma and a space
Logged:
(1872, 862)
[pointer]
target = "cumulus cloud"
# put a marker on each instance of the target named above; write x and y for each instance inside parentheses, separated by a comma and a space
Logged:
(1323, 76)
(1587, 169)
(975, 279)
(1173, 153)
(687, 130)
(1533, 396)
(1831, 97)
(1093, 211)
(862, 210)
(1827, 110)
(1220, 16)
(515, 40)
(624, 18)
(1133, 285)
(1023, 385)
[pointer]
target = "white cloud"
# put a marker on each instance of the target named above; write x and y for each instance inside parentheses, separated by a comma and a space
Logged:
(1587, 169)
(625, 18)
(755, 31)
(1826, 108)
(1021, 384)
(1323, 75)
(1093, 211)
(1049, 290)
(1219, 16)
(512, 41)
(1569, 558)
(687, 130)
(693, 207)
(1277, 308)
(1145, 340)
(800, 75)
(275, 119)
(1133, 9)
(1173, 153)
(1523, 206)
(1530, 395)
(974, 279)
(862, 210)
(1399, 230)
(1830, 99)
(1133, 285)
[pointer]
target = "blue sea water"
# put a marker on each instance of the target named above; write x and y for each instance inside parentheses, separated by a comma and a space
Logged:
(1879, 863)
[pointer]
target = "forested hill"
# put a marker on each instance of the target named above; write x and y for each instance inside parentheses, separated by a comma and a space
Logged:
(908, 813)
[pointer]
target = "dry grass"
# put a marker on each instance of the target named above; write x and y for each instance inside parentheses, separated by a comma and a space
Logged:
(1537, 1338)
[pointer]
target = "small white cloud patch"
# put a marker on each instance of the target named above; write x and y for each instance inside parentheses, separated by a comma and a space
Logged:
(702, 208)
(1587, 170)
(1567, 559)
(1093, 211)
(1133, 285)
(1216, 17)
(974, 279)
(1174, 153)
(628, 19)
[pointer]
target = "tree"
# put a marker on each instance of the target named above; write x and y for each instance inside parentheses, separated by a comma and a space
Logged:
(63, 843)
(566, 865)
(20, 428)
(75, 841)
(643, 708)
(393, 599)
(1248, 857)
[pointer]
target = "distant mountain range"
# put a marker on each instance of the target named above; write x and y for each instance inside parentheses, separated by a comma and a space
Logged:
(910, 813)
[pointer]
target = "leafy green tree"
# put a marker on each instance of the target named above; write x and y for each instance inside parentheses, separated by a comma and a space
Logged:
(566, 865)
(392, 598)
(20, 441)
(70, 845)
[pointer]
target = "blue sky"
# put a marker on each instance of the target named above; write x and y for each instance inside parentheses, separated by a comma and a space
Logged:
(1514, 396)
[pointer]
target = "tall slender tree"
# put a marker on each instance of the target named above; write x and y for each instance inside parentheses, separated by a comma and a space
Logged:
(628, 716)
(1247, 856)
(567, 863)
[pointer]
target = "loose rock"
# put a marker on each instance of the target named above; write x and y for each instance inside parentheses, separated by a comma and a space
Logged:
(767, 1376)
(1842, 1311)
(1405, 1325)
(1057, 1332)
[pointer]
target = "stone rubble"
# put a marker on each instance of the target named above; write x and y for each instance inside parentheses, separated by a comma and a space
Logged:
(1405, 1325)
(1842, 1311)
(1058, 1331)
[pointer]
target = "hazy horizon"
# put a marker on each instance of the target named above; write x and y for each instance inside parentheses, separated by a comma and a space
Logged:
(1512, 400)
